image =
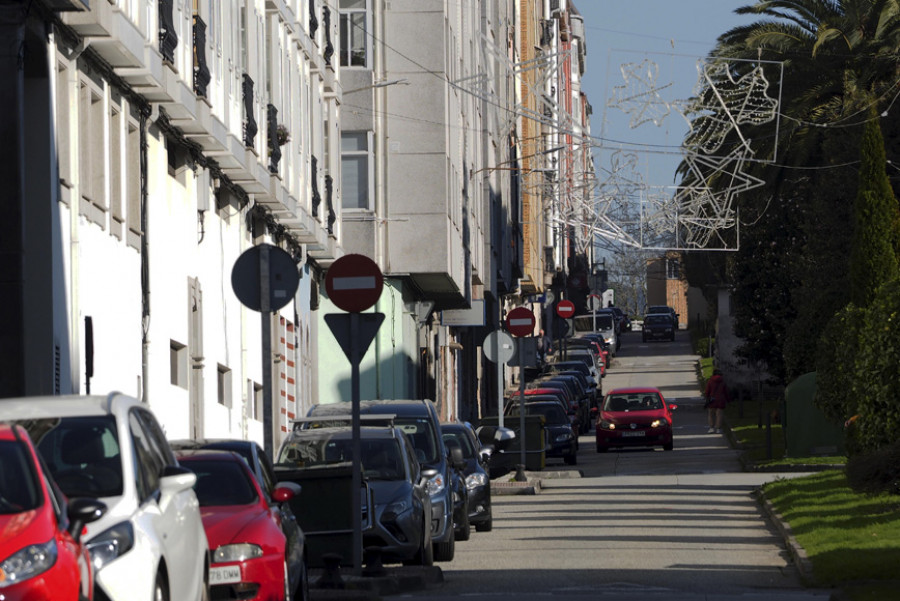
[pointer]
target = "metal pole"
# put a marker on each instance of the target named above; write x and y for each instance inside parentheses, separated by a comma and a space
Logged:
(356, 480)
(520, 473)
(500, 382)
(265, 314)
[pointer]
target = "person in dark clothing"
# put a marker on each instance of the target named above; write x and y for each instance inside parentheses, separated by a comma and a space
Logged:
(716, 394)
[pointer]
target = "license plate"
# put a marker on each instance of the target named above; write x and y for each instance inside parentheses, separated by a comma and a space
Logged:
(633, 433)
(224, 575)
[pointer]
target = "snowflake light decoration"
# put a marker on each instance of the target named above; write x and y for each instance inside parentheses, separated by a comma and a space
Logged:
(640, 96)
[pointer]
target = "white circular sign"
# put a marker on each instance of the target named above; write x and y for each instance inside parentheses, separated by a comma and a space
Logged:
(499, 345)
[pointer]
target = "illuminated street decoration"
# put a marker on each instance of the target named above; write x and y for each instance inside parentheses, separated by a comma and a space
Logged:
(640, 96)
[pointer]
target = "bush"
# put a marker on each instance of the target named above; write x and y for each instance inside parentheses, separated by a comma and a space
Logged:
(875, 472)
(877, 379)
(836, 366)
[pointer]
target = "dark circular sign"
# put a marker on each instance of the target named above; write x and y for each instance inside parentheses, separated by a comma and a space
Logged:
(354, 283)
(247, 281)
(520, 321)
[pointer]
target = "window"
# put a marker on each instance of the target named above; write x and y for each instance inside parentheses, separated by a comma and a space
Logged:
(354, 42)
(673, 269)
(224, 385)
(356, 172)
(92, 157)
(256, 400)
(178, 364)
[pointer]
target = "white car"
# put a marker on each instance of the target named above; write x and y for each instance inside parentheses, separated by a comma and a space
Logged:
(150, 545)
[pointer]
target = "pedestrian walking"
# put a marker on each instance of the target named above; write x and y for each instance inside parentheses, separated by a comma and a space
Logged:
(717, 397)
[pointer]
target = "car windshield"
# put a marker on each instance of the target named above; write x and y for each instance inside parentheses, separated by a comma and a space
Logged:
(221, 483)
(642, 401)
(657, 318)
(464, 442)
(381, 458)
(18, 481)
(82, 454)
(553, 413)
(422, 436)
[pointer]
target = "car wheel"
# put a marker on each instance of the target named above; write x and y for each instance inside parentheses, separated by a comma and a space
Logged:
(485, 526)
(464, 529)
(669, 446)
(161, 588)
(445, 551)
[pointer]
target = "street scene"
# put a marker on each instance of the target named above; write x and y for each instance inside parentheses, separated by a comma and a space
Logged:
(332, 299)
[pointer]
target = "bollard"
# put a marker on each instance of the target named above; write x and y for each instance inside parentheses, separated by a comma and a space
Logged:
(520, 471)
(374, 565)
(331, 576)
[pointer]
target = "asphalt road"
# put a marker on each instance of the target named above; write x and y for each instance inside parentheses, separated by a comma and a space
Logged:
(638, 524)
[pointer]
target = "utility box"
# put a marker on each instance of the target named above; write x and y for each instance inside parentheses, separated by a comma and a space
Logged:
(807, 432)
(324, 510)
(535, 443)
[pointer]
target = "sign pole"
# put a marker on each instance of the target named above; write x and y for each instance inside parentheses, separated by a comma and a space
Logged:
(495, 342)
(265, 313)
(356, 476)
(520, 473)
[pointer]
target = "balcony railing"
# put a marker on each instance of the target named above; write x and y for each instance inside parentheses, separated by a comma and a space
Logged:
(313, 22)
(201, 71)
(168, 39)
(329, 202)
(274, 148)
(314, 179)
(250, 127)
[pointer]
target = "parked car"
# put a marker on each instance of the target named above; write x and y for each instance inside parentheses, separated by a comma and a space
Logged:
(42, 555)
(635, 417)
(562, 440)
(657, 326)
(665, 310)
(150, 544)
(477, 480)
(264, 472)
(251, 556)
(577, 410)
(461, 528)
(419, 420)
(403, 513)
(494, 441)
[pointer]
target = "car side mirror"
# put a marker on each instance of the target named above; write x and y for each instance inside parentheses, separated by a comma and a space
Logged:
(457, 459)
(285, 491)
(83, 511)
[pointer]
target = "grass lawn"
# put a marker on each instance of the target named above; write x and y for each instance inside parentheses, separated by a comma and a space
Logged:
(853, 540)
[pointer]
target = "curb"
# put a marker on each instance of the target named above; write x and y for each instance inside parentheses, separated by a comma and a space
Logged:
(797, 552)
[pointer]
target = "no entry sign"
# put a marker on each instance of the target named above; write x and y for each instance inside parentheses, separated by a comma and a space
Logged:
(565, 309)
(520, 321)
(354, 283)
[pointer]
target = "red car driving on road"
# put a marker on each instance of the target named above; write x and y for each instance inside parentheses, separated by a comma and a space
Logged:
(634, 417)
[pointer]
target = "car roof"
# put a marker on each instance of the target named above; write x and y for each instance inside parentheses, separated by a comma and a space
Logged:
(74, 405)
(342, 432)
(217, 454)
(406, 407)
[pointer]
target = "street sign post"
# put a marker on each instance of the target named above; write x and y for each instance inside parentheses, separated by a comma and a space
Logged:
(354, 284)
(265, 278)
(520, 322)
(498, 347)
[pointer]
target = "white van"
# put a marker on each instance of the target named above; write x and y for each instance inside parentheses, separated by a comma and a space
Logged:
(605, 325)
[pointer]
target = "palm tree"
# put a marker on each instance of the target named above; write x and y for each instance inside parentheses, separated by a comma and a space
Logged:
(839, 59)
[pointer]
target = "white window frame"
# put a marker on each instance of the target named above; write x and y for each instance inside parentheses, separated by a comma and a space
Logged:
(344, 15)
(370, 169)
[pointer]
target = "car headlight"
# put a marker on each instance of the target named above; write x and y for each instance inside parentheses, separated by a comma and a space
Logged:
(475, 480)
(563, 437)
(435, 485)
(111, 544)
(236, 552)
(27, 563)
(659, 422)
(605, 425)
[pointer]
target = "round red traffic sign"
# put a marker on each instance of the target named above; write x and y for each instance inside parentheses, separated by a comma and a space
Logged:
(354, 283)
(520, 321)
(565, 309)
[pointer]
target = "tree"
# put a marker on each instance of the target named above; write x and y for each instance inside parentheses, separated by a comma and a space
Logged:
(872, 257)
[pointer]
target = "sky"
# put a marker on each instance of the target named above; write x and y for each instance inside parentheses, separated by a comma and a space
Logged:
(671, 34)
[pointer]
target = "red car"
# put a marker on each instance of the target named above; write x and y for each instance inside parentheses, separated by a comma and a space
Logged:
(41, 555)
(250, 558)
(634, 417)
